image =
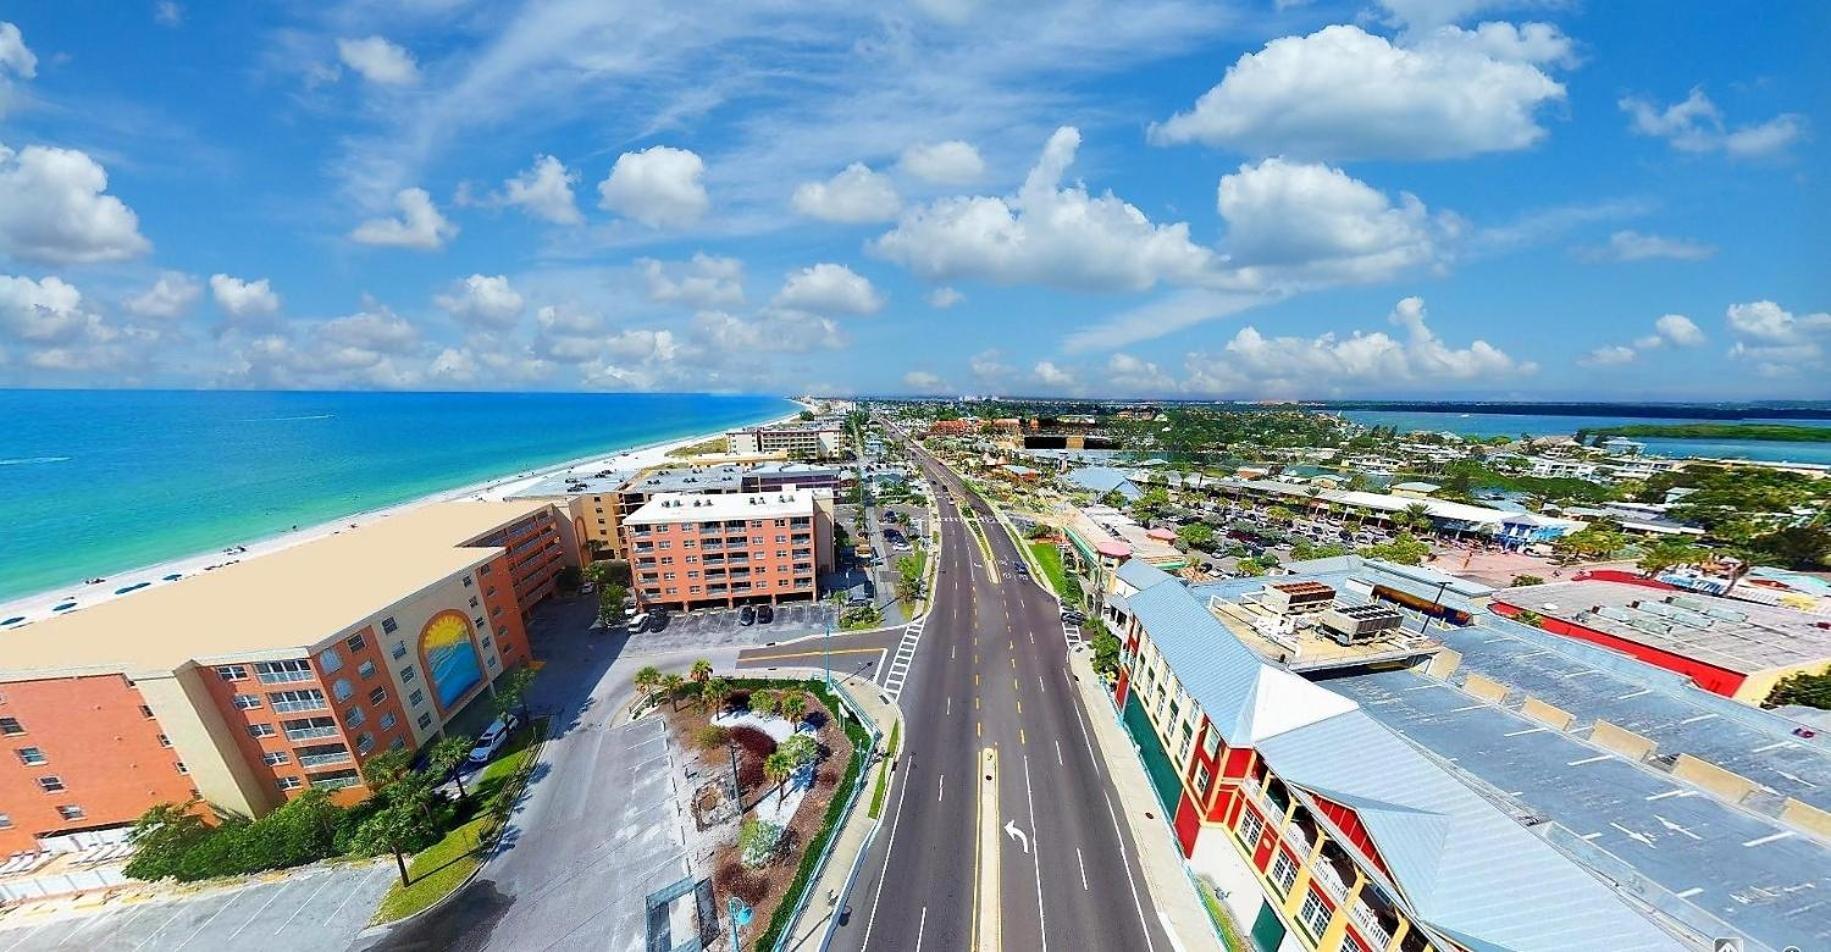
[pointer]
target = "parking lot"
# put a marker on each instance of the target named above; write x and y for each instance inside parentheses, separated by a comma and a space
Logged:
(317, 909)
(721, 628)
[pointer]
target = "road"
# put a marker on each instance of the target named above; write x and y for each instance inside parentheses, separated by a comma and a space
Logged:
(991, 672)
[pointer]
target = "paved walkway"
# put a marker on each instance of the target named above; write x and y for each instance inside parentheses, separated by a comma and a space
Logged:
(1178, 907)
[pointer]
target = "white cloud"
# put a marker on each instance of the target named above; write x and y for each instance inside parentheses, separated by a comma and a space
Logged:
(1128, 374)
(1165, 315)
(1050, 375)
(828, 288)
(16, 59)
(1342, 93)
(660, 187)
(379, 61)
(1294, 223)
(1610, 356)
(944, 163)
(53, 210)
(855, 195)
(420, 225)
(483, 300)
(921, 381)
(1778, 342)
(1045, 234)
(1695, 124)
(943, 298)
(170, 296)
(376, 329)
(771, 331)
(239, 298)
(1634, 246)
(168, 13)
(704, 282)
(1679, 329)
(46, 311)
(989, 368)
(545, 192)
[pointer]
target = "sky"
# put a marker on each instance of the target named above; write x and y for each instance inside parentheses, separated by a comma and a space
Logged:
(1540, 199)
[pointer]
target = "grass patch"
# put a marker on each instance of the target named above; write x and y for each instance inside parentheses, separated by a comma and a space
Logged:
(883, 776)
(702, 448)
(1050, 558)
(442, 867)
(1222, 919)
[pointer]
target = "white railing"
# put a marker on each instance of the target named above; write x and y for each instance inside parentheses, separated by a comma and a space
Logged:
(335, 783)
(311, 733)
(289, 707)
(283, 677)
(324, 760)
(1369, 924)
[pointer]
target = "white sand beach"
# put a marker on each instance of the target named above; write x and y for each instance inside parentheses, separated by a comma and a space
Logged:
(43, 604)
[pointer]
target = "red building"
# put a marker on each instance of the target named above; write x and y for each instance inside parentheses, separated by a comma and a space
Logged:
(689, 549)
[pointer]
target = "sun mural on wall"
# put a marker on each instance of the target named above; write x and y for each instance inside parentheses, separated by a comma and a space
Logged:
(450, 658)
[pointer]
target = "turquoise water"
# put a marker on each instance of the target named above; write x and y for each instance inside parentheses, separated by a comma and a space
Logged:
(1501, 424)
(96, 482)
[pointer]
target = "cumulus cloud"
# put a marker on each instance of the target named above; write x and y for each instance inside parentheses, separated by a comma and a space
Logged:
(944, 163)
(171, 296)
(704, 282)
(244, 299)
(773, 330)
(989, 368)
(661, 187)
(1679, 329)
(943, 298)
(545, 192)
(1045, 234)
(1342, 93)
(1609, 356)
(854, 196)
(828, 288)
(1695, 124)
(16, 60)
(482, 300)
(379, 61)
(1633, 246)
(1778, 342)
(1292, 223)
(420, 225)
(376, 329)
(54, 210)
(44, 311)
(1049, 375)
(1674, 329)
(168, 13)
(921, 381)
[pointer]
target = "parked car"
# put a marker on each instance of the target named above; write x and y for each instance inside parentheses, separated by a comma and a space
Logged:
(1073, 616)
(747, 615)
(658, 619)
(640, 622)
(766, 614)
(493, 737)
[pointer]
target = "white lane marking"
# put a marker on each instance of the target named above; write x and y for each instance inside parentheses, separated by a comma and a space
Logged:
(1587, 760)
(345, 902)
(1058, 754)
(230, 901)
(950, 705)
(921, 927)
(889, 846)
(1623, 697)
(1675, 828)
(1040, 687)
(1670, 793)
(940, 788)
(1591, 836)
(1126, 863)
(1773, 746)
(1770, 838)
(1079, 859)
(1694, 720)
(1687, 894)
(1529, 730)
(155, 933)
(1042, 917)
(302, 905)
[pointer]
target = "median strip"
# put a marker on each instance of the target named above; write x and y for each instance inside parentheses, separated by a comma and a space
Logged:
(987, 890)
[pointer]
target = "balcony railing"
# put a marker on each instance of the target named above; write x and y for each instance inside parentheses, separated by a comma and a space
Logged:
(308, 761)
(335, 783)
(283, 677)
(1369, 925)
(310, 733)
(291, 707)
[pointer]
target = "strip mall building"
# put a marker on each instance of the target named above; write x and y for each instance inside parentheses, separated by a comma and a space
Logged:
(248, 684)
(1322, 829)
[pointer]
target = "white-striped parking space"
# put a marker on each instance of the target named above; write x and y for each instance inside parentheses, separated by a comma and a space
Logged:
(898, 672)
(1072, 633)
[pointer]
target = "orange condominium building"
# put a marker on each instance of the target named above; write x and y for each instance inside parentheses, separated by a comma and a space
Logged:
(248, 684)
(689, 550)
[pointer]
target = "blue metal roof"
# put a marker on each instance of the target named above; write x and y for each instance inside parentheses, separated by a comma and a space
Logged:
(1141, 575)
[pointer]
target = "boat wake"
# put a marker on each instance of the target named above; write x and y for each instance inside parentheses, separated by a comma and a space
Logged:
(291, 419)
(30, 460)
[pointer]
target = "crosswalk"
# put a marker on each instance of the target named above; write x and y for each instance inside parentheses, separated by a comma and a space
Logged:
(1072, 633)
(905, 655)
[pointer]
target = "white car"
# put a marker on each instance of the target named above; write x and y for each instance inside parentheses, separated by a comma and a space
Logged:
(493, 738)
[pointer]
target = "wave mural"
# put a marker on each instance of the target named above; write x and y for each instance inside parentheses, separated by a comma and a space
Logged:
(450, 658)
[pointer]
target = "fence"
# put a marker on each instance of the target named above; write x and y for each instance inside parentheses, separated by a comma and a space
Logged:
(57, 884)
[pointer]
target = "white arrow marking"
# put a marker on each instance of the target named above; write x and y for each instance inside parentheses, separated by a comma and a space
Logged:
(1013, 832)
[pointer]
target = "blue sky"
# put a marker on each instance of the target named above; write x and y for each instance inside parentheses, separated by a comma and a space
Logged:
(1535, 199)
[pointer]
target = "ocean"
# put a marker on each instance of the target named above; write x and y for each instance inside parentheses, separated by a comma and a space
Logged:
(94, 482)
(1503, 424)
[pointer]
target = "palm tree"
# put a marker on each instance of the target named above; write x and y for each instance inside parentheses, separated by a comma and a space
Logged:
(672, 684)
(791, 704)
(702, 669)
(1417, 515)
(762, 702)
(447, 756)
(648, 679)
(713, 691)
(779, 767)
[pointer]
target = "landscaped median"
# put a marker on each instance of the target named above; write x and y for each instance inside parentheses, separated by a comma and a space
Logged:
(441, 868)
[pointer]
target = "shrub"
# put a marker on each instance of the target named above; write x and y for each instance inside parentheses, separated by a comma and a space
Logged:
(734, 880)
(711, 737)
(750, 772)
(753, 740)
(757, 842)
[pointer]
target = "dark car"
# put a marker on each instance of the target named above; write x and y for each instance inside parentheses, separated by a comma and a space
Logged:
(1073, 616)
(766, 614)
(747, 615)
(658, 619)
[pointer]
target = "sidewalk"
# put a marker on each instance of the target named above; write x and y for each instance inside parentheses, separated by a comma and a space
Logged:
(855, 835)
(1178, 906)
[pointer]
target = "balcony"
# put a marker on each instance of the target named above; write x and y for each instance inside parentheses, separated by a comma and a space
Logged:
(283, 677)
(323, 757)
(294, 705)
(337, 781)
(311, 733)
(1368, 923)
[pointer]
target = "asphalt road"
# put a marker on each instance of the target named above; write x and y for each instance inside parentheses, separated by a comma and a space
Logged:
(991, 672)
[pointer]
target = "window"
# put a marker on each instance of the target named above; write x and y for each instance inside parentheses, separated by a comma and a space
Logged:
(388, 625)
(387, 721)
(330, 661)
(308, 699)
(378, 695)
(367, 670)
(182, 768)
(486, 641)
(473, 601)
(343, 689)
(399, 743)
(1203, 781)
(145, 711)
(479, 618)
(1314, 913)
(365, 743)
(9, 726)
(1284, 872)
(32, 756)
(399, 650)
(247, 702)
(417, 698)
(51, 784)
(355, 717)
(232, 672)
(425, 721)
(356, 642)
(282, 672)
(1251, 828)
(408, 674)
(6, 822)
(164, 741)
(70, 811)
(467, 582)
(1211, 742)
(485, 570)
(491, 661)
(288, 783)
(260, 730)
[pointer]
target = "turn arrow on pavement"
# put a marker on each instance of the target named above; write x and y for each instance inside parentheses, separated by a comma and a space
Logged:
(1013, 832)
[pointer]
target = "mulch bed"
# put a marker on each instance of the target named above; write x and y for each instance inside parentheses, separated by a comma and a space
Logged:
(763, 888)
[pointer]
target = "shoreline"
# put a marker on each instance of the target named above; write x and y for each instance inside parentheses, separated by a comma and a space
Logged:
(39, 605)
